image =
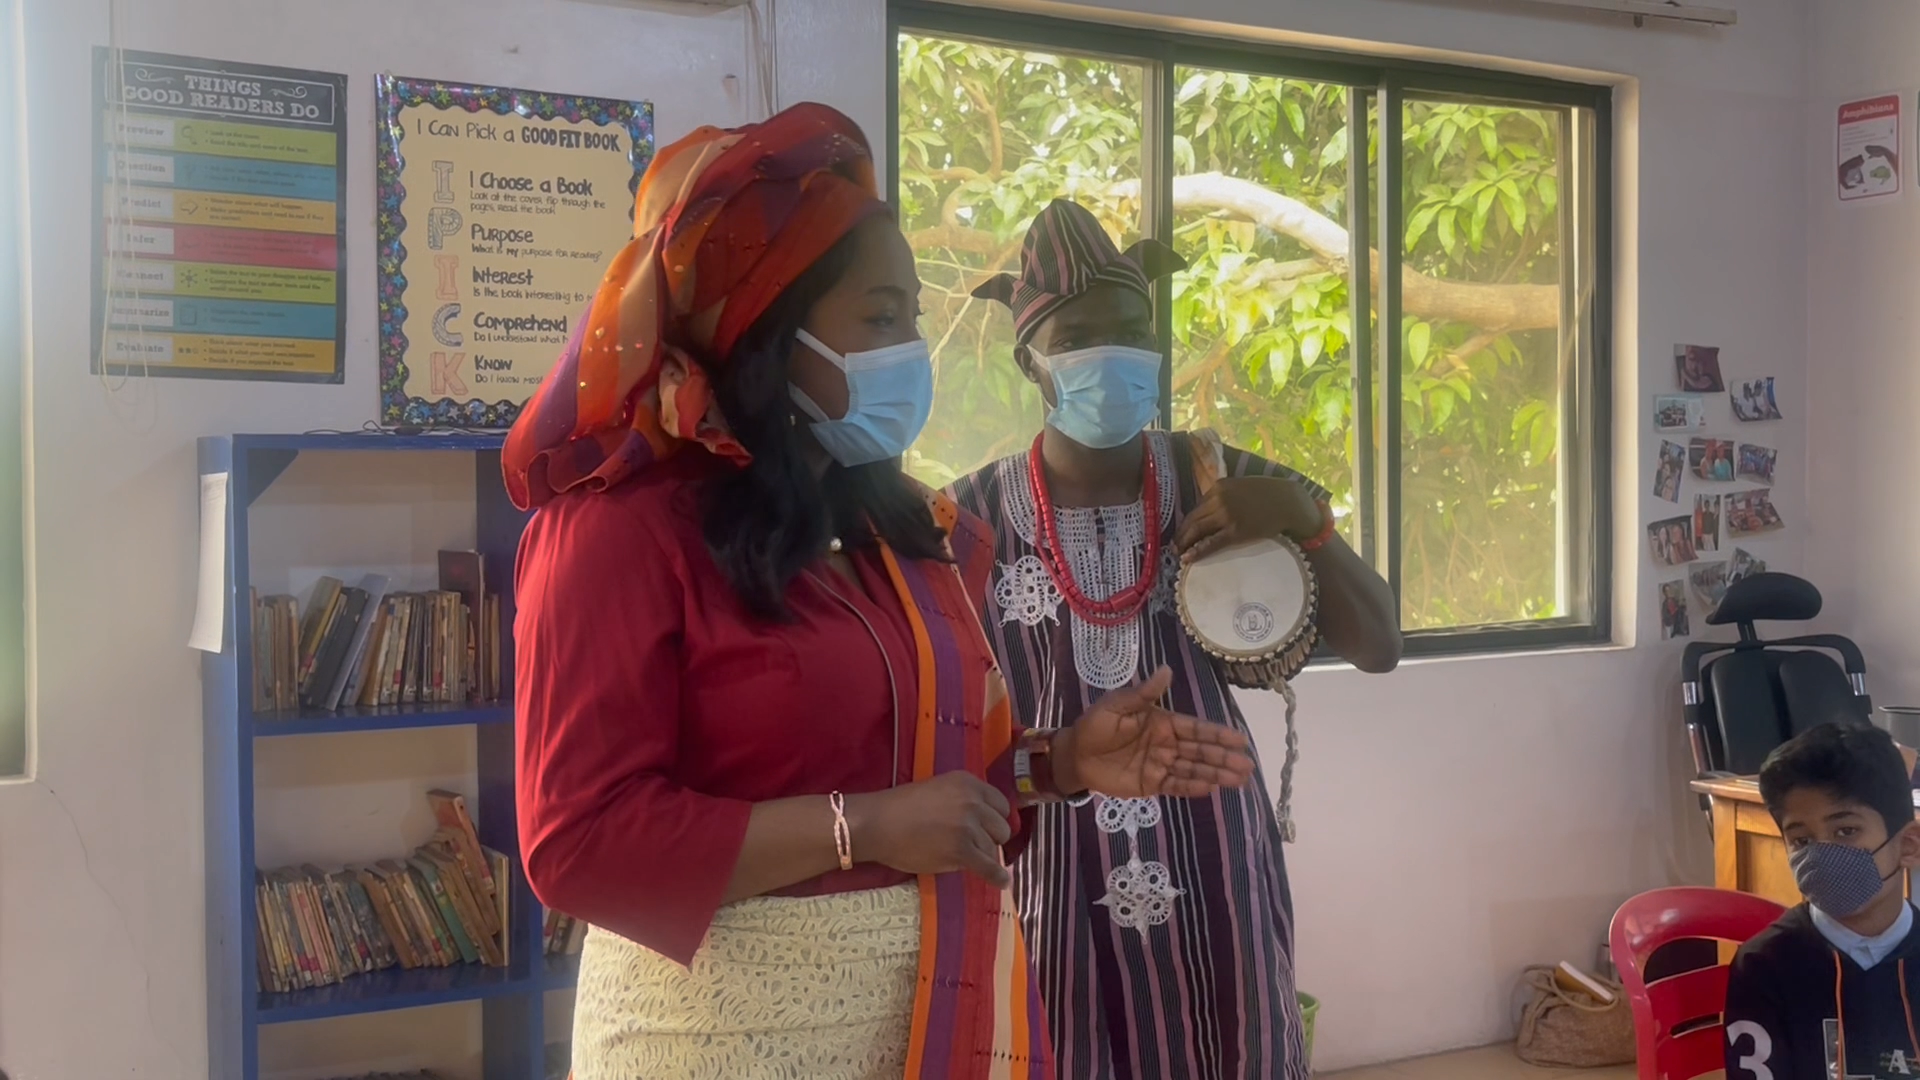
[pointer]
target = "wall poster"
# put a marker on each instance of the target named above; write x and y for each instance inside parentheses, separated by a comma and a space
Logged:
(1867, 148)
(498, 212)
(219, 240)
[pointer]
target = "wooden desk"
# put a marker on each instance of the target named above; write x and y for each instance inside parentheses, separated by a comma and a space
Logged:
(1748, 854)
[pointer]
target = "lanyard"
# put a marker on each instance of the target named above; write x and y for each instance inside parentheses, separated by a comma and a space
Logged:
(1840, 1008)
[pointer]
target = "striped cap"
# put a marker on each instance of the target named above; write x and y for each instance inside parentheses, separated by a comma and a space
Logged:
(1066, 253)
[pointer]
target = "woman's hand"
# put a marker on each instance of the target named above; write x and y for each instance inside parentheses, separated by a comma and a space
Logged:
(955, 821)
(1127, 746)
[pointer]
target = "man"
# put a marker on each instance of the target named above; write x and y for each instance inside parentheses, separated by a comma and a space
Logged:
(1162, 930)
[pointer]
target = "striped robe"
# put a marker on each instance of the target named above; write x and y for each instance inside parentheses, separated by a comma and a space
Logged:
(1205, 990)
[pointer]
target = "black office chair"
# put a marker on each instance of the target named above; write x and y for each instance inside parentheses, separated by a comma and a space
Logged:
(1744, 698)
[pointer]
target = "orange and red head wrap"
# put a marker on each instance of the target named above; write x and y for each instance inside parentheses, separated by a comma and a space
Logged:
(723, 222)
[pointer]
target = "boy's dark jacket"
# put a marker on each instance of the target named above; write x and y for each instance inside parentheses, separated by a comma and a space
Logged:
(1780, 1007)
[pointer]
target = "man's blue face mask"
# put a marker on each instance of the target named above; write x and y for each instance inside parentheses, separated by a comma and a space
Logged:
(1103, 396)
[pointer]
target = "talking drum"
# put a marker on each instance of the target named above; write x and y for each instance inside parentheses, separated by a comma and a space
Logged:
(1252, 607)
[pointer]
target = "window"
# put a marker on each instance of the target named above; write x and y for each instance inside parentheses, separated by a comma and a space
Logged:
(1466, 450)
(13, 353)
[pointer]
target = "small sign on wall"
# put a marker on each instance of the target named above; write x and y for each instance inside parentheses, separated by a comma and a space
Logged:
(1867, 148)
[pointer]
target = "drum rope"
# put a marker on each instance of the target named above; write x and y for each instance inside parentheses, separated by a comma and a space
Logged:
(1284, 808)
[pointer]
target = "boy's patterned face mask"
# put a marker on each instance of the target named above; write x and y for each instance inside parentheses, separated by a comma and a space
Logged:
(1838, 879)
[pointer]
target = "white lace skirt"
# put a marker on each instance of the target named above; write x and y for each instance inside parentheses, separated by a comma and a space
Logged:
(818, 988)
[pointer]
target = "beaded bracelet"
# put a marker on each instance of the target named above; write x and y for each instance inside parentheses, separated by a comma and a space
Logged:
(1327, 528)
(842, 835)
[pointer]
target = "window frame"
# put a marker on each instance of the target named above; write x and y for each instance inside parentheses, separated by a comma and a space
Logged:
(16, 725)
(1587, 415)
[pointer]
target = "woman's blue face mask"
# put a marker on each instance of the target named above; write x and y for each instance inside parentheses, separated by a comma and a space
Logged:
(1103, 396)
(889, 396)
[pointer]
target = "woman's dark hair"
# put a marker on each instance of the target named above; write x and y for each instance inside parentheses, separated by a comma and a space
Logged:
(1851, 762)
(767, 522)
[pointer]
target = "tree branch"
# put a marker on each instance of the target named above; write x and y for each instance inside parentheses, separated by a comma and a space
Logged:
(1498, 308)
(955, 238)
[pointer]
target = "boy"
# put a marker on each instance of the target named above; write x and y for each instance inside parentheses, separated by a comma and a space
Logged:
(1835, 979)
(1161, 930)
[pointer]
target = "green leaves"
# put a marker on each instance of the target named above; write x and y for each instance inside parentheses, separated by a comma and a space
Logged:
(1312, 344)
(1262, 332)
(1449, 230)
(1419, 344)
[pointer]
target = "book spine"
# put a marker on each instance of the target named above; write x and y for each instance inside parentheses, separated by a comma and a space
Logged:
(393, 668)
(285, 969)
(394, 880)
(471, 920)
(267, 979)
(288, 677)
(441, 946)
(310, 649)
(394, 945)
(501, 869)
(373, 931)
(474, 872)
(373, 588)
(450, 810)
(416, 635)
(262, 659)
(310, 954)
(365, 952)
(437, 892)
(340, 963)
(286, 935)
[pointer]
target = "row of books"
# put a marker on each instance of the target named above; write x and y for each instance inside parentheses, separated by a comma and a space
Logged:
(445, 904)
(562, 935)
(361, 646)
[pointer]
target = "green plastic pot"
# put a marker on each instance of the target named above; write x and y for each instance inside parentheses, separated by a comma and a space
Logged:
(1309, 1008)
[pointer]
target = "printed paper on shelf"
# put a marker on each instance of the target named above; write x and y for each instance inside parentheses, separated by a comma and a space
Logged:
(1867, 148)
(210, 610)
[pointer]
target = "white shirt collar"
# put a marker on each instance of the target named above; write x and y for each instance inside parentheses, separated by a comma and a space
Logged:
(1863, 950)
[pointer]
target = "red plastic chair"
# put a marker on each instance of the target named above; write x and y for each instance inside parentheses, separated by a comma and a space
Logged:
(1693, 1000)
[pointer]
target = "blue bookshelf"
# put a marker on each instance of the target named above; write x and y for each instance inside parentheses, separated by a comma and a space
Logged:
(511, 998)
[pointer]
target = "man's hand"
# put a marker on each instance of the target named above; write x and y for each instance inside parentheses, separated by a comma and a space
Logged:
(1243, 508)
(1129, 746)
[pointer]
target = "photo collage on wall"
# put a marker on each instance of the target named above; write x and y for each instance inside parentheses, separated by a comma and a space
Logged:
(1717, 481)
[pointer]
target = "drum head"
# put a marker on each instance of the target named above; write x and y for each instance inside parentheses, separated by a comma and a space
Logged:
(1247, 601)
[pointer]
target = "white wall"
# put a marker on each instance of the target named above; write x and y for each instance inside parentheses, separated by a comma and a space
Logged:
(1460, 818)
(1862, 356)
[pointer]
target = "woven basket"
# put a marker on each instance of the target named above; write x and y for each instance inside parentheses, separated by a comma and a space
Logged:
(1566, 1030)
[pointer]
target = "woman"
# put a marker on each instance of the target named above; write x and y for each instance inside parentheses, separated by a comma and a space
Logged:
(755, 704)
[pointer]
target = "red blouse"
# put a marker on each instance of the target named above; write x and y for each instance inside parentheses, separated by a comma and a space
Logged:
(654, 710)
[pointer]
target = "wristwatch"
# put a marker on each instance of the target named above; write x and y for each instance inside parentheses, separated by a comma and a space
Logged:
(1033, 768)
